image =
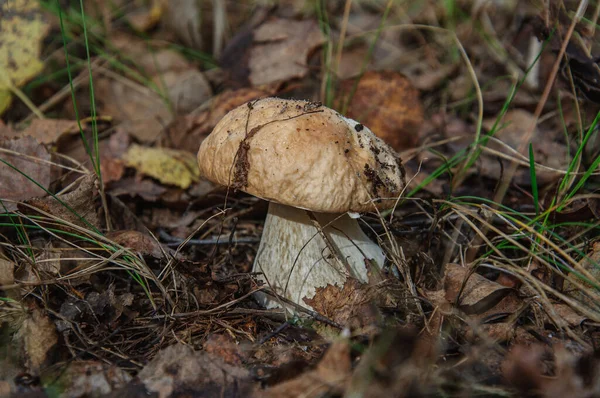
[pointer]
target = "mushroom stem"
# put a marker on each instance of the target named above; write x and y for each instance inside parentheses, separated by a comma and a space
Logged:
(295, 259)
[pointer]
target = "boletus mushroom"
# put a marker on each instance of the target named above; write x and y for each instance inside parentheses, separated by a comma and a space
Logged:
(315, 167)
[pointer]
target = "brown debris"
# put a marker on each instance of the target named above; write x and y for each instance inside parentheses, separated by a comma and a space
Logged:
(388, 104)
(38, 336)
(329, 377)
(31, 159)
(77, 207)
(178, 368)
(351, 305)
(280, 50)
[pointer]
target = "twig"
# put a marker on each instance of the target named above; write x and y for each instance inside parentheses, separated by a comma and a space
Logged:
(172, 241)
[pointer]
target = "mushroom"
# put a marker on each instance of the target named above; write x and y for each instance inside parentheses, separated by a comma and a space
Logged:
(314, 166)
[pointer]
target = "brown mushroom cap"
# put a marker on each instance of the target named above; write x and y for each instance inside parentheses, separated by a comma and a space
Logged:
(302, 154)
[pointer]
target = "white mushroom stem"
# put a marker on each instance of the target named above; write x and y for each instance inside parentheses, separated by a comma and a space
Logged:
(295, 259)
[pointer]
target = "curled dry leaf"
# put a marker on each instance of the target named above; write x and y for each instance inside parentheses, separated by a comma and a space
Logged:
(28, 156)
(21, 33)
(280, 50)
(168, 166)
(473, 293)
(387, 103)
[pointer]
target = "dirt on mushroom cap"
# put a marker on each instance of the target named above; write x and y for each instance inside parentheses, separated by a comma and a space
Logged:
(304, 155)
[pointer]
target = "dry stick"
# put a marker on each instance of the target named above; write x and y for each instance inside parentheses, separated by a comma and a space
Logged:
(512, 168)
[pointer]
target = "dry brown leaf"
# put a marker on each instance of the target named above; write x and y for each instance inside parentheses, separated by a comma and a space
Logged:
(351, 305)
(146, 189)
(389, 105)
(39, 336)
(7, 272)
(28, 156)
(567, 315)
(80, 207)
(187, 132)
(49, 131)
(280, 50)
(546, 150)
(145, 109)
(138, 242)
(140, 111)
(471, 292)
(187, 89)
(328, 379)
(178, 368)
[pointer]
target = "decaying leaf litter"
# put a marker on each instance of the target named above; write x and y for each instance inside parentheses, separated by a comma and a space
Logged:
(123, 272)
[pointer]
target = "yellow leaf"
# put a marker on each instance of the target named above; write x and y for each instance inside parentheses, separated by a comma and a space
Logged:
(21, 32)
(168, 166)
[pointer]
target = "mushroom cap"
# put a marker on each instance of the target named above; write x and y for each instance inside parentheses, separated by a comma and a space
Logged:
(302, 154)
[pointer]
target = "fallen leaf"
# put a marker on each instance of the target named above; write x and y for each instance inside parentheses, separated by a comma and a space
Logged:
(388, 104)
(188, 131)
(28, 156)
(178, 368)
(80, 208)
(280, 50)
(187, 89)
(38, 335)
(351, 304)
(171, 85)
(567, 315)
(168, 166)
(184, 18)
(49, 131)
(471, 292)
(139, 110)
(138, 242)
(147, 189)
(329, 378)
(21, 33)
(547, 151)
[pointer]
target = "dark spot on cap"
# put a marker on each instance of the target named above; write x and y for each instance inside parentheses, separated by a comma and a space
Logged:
(359, 127)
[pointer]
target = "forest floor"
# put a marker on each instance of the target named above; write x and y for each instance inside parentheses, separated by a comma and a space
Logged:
(124, 273)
